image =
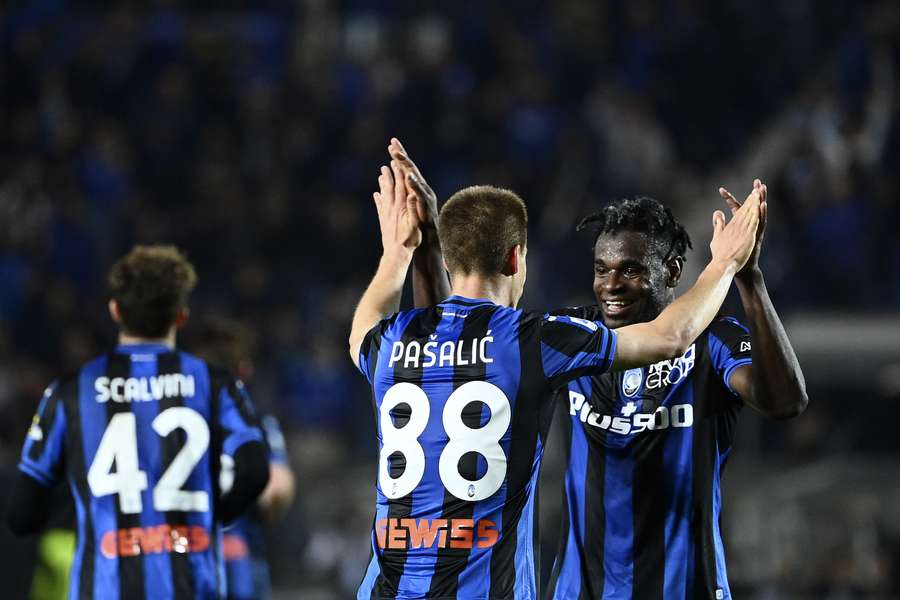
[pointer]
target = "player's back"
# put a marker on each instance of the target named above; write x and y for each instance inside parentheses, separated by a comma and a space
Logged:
(141, 430)
(462, 396)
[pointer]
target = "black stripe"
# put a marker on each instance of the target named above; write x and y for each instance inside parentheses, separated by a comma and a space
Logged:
(451, 562)
(704, 459)
(131, 568)
(561, 401)
(592, 572)
(648, 510)
(393, 561)
(169, 446)
(68, 394)
(217, 380)
(533, 389)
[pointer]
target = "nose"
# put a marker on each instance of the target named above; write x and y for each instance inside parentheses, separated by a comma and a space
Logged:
(612, 281)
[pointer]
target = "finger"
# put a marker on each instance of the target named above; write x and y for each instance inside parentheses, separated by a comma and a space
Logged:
(386, 184)
(763, 216)
(399, 181)
(718, 220)
(729, 198)
(413, 205)
(763, 192)
(416, 185)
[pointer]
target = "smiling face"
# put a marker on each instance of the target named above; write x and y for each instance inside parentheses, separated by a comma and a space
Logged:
(632, 284)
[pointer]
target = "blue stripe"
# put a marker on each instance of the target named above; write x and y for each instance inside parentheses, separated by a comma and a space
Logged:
(721, 571)
(504, 372)
(428, 497)
(678, 488)
(526, 586)
(618, 543)
(568, 584)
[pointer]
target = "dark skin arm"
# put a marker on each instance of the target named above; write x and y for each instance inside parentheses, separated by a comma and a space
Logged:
(429, 278)
(773, 385)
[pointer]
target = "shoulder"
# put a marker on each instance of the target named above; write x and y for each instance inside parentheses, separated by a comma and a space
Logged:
(724, 329)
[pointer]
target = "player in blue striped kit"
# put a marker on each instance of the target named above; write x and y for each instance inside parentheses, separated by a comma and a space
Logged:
(648, 446)
(138, 434)
(462, 390)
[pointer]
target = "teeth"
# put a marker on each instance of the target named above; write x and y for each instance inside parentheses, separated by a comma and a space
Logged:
(617, 303)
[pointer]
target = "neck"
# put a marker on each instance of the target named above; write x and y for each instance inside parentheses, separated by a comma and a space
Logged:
(497, 290)
(169, 340)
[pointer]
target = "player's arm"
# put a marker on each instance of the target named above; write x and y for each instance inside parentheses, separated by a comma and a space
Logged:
(242, 441)
(279, 493)
(398, 217)
(773, 384)
(684, 320)
(430, 282)
(40, 467)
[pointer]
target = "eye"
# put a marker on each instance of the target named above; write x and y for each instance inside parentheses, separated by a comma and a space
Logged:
(631, 272)
(600, 270)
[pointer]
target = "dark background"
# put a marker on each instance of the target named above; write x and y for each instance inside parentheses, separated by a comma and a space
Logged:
(250, 134)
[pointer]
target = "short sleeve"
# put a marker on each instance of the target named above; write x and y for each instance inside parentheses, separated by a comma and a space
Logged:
(238, 422)
(275, 438)
(572, 347)
(43, 456)
(729, 347)
(371, 344)
(591, 313)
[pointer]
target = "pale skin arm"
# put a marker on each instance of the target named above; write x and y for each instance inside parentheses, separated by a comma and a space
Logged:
(279, 492)
(398, 217)
(684, 320)
(430, 282)
(773, 385)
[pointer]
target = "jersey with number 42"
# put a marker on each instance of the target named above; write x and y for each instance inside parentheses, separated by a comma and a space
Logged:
(138, 434)
(463, 402)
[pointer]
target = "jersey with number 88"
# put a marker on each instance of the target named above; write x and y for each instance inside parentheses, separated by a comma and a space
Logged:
(462, 439)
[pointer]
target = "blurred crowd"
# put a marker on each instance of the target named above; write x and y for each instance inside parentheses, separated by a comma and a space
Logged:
(250, 134)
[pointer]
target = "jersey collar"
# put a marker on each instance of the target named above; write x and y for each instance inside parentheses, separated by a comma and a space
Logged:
(145, 348)
(463, 301)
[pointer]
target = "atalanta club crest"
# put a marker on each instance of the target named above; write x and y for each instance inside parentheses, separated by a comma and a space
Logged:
(631, 381)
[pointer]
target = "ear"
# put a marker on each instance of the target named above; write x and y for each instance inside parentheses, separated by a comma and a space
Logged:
(181, 318)
(512, 264)
(674, 269)
(114, 313)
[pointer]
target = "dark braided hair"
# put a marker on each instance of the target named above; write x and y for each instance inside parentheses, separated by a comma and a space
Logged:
(642, 215)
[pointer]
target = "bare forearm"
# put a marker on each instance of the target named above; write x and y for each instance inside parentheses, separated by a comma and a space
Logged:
(382, 297)
(778, 388)
(679, 324)
(429, 279)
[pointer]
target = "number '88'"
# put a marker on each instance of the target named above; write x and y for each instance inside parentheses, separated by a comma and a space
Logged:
(463, 439)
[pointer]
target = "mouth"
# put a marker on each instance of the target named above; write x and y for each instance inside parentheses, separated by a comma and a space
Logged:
(617, 308)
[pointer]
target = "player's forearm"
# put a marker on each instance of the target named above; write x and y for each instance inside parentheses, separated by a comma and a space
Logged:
(251, 474)
(382, 297)
(29, 506)
(429, 279)
(679, 324)
(778, 386)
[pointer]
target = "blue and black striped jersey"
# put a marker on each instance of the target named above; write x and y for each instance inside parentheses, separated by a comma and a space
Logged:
(138, 434)
(645, 460)
(463, 401)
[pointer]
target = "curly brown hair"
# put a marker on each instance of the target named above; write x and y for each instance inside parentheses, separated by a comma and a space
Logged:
(150, 285)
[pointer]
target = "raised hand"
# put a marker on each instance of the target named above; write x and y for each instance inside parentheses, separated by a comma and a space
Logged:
(416, 183)
(399, 210)
(758, 186)
(734, 243)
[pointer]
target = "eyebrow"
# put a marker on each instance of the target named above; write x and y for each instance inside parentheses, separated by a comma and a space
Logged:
(623, 264)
